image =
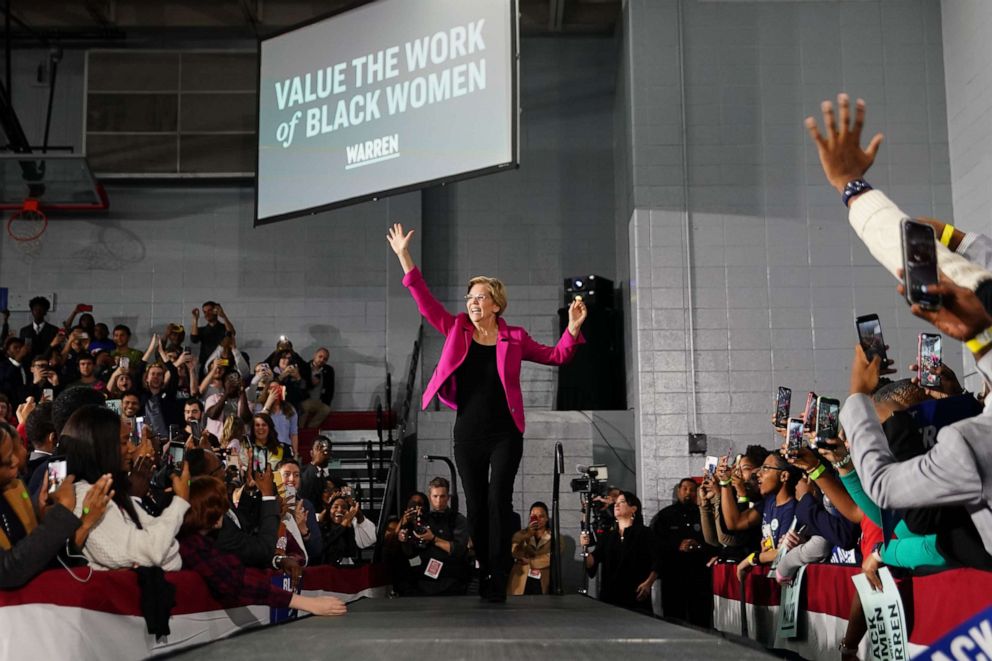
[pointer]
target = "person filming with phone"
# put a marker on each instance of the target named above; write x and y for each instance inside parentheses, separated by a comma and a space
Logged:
(531, 573)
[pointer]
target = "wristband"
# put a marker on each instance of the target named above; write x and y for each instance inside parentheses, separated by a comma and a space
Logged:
(947, 234)
(750, 559)
(726, 483)
(817, 472)
(846, 461)
(853, 188)
(980, 341)
(743, 499)
(277, 560)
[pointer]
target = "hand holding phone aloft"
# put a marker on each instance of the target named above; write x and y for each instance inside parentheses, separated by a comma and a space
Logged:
(961, 315)
(864, 374)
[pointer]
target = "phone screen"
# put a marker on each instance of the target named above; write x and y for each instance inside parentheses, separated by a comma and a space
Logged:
(919, 254)
(125, 362)
(795, 436)
(809, 411)
(929, 360)
(114, 405)
(176, 455)
(260, 460)
(870, 336)
(783, 401)
(709, 467)
(56, 473)
(827, 411)
(139, 425)
(47, 395)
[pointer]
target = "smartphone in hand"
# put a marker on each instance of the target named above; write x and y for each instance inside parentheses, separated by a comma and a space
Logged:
(783, 401)
(56, 473)
(827, 412)
(928, 359)
(795, 436)
(919, 263)
(809, 411)
(870, 336)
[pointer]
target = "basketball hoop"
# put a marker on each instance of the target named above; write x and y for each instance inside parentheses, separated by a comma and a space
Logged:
(26, 226)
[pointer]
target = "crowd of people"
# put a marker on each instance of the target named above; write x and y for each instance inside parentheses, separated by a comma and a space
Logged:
(165, 460)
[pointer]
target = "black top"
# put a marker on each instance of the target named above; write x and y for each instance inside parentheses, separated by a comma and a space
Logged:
(482, 409)
(627, 561)
(208, 337)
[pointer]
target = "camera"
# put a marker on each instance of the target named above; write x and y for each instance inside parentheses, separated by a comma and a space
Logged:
(593, 480)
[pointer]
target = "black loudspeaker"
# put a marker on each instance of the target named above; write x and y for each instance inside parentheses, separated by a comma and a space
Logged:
(595, 378)
(594, 290)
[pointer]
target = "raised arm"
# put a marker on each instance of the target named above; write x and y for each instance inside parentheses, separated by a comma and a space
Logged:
(400, 243)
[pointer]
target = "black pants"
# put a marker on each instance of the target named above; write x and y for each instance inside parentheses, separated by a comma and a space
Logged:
(488, 469)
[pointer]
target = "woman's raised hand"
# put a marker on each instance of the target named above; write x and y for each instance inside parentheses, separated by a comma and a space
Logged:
(577, 313)
(400, 243)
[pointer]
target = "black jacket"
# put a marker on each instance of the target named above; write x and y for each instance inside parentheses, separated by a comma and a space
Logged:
(254, 548)
(32, 554)
(40, 342)
(626, 564)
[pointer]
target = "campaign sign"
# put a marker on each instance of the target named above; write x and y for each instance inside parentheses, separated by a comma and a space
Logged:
(885, 617)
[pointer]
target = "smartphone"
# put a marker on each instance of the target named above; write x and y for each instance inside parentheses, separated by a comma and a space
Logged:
(870, 336)
(47, 394)
(795, 436)
(709, 467)
(56, 474)
(174, 432)
(289, 493)
(928, 358)
(260, 460)
(85, 308)
(176, 454)
(809, 411)
(125, 362)
(114, 405)
(827, 412)
(223, 362)
(919, 263)
(187, 350)
(194, 430)
(783, 401)
(139, 425)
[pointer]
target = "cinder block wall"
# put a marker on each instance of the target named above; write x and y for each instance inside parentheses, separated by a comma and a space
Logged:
(777, 275)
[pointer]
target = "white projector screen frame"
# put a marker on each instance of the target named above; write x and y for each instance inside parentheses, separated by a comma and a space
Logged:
(331, 149)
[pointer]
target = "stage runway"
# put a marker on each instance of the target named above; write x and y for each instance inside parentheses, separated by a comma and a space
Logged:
(541, 628)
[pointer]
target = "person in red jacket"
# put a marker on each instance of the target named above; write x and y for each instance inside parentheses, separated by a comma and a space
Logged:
(478, 375)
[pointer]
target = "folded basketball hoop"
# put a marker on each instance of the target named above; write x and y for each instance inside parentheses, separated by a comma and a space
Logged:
(33, 185)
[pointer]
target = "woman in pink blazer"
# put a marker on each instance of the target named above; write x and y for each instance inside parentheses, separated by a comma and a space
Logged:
(478, 375)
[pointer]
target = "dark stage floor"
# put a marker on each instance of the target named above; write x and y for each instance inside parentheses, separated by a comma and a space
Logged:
(539, 628)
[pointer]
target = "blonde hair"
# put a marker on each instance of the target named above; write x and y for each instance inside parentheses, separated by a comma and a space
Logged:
(496, 290)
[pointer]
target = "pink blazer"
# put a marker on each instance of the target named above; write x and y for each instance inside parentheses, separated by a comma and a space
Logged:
(512, 348)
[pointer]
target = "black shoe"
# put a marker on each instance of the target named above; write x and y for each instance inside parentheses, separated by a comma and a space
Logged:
(497, 589)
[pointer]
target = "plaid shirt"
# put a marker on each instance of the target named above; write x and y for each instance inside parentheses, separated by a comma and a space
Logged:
(229, 581)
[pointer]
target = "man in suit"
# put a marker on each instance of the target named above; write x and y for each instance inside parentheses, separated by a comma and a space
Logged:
(317, 406)
(958, 469)
(39, 334)
(14, 379)
(313, 476)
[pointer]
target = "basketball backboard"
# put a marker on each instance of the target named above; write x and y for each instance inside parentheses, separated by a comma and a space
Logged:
(60, 182)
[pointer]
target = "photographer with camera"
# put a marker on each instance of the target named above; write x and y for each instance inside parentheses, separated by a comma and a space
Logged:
(628, 556)
(436, 546)
(44, 380)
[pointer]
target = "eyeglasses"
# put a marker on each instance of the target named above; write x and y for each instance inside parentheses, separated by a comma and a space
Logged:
(478, 298)
(763, 468)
